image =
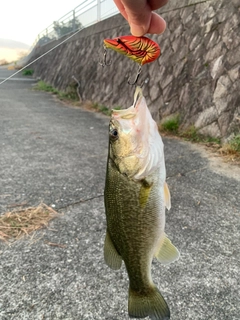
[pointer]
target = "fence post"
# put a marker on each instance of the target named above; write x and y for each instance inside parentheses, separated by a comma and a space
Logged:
(98, 10)
(74, 22)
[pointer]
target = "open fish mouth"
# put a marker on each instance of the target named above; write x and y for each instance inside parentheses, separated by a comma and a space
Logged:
(132, 111)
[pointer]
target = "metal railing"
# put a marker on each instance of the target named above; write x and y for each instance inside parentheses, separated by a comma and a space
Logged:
(87, 13)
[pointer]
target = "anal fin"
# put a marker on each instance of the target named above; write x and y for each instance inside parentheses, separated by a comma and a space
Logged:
(167, 252)
(111, 256)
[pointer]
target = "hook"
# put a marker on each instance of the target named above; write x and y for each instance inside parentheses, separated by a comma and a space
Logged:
(105, 63)
(136, 79)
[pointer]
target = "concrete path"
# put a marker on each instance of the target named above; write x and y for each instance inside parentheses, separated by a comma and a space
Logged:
(57, 154)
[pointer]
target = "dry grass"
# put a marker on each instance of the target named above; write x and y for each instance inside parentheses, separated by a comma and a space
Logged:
(19, 223)
(229, 154)
(12, 67)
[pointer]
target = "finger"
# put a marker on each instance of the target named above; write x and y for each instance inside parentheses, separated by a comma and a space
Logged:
(121, 8)
(157, 24)
(156, 4)
(138, 16)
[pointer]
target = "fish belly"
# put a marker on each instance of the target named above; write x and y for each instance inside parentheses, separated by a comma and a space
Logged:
(134, 226)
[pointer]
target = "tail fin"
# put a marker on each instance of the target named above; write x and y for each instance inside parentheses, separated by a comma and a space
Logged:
(150, 304)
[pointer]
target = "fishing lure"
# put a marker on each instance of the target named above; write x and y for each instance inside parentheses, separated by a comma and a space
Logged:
(140, 49)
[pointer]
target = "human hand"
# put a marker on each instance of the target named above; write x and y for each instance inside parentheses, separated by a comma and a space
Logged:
(140, 17)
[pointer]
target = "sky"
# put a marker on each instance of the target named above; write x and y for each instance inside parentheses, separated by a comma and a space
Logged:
(23, 20)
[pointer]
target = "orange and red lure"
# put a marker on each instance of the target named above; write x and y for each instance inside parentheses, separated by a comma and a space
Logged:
(140, 49)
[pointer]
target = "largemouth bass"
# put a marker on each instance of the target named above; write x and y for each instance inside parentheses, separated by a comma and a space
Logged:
(135, 196)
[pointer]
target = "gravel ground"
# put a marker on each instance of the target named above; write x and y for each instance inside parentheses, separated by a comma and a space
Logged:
(57, 154)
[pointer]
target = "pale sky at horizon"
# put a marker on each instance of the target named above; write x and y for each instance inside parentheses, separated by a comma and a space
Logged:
(24, 20)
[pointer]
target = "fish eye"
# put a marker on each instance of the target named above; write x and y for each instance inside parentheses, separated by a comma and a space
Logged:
(114, 134)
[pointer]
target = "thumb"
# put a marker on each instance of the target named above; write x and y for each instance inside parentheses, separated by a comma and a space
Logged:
(138, 30)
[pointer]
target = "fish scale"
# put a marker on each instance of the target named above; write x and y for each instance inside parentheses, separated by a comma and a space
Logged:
(127, 225)
(135, 196)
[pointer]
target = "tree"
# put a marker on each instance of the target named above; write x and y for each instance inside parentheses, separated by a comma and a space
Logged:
(62, 28)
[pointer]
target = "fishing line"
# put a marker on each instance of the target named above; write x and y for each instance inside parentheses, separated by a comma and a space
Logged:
(44, 54)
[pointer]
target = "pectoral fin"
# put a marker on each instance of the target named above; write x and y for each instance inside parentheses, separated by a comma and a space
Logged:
(167, 197)
(111, 256)
(167, 252)
(144, 192)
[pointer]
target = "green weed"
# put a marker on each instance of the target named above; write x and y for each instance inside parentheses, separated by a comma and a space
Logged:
(95, 105)
(28, 72)
(234, 143)
(192, 134)
(43, 86)
(171, 125)
(69, 95)
(104, 110)
(101, 108)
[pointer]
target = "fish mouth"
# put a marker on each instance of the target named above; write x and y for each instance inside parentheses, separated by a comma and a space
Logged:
(123, 120)
(125, 114)
(139, 148)
(132, 118)
(132, 111)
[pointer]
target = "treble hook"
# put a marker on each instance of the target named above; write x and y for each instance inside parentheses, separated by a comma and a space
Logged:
(136, 79)
(105, 63)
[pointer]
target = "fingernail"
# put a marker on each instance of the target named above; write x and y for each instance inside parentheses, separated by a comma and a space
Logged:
(137, 30)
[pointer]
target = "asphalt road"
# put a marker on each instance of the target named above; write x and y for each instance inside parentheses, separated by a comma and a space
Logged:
(57, 154)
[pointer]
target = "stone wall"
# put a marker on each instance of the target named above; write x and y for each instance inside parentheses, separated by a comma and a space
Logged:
(196, 76)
